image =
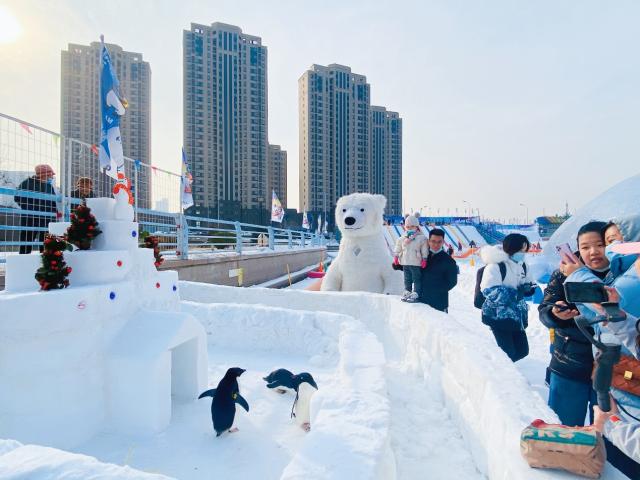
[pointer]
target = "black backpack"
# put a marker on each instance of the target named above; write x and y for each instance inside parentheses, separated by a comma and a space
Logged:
(478, 297)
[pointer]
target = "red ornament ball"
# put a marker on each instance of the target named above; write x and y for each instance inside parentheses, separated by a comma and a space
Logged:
(119, 263)
(69, 270)
(157, 285)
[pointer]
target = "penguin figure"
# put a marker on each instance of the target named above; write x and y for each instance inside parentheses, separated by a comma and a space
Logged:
(225, 397)
(301, 405)
(283, 380)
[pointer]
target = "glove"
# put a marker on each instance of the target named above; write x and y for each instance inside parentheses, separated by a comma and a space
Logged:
(423, 263)
(396, 261)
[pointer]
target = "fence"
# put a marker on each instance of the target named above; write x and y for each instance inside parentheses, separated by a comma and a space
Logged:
(25, 213)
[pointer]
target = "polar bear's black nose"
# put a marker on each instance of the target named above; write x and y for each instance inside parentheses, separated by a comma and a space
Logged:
(349, 221)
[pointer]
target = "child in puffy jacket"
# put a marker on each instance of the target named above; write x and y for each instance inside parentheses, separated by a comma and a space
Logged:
(411, 252)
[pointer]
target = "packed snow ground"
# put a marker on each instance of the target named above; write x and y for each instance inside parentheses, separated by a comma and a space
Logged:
(189, 449)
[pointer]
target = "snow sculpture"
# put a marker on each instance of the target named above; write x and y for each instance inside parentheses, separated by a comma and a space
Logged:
(107, 353)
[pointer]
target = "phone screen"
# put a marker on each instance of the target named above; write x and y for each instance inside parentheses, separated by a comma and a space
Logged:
(579, 292)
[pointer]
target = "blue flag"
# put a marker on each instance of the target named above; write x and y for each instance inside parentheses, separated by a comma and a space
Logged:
(112, 107)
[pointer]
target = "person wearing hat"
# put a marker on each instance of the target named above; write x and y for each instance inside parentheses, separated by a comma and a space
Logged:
(42, 183)
(84, 188)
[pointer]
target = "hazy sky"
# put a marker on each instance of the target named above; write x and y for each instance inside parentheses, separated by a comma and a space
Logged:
(503, 102)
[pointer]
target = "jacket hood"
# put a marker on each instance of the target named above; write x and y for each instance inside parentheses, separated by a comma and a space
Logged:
(629, 226)
(493, 254)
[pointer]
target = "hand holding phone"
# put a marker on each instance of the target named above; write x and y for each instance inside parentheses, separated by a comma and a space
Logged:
(563, 311)
(564, 249)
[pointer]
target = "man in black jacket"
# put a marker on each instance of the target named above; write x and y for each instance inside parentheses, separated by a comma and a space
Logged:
(440, 274)
(39, 183)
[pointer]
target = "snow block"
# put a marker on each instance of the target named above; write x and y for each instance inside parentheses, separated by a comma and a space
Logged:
(20, 273)
(35, 462)
(146, 370)
(91, 267)
(116, 235)
(59, 228)
(101, 208)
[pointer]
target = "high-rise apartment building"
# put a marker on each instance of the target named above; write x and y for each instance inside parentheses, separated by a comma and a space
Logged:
(336, 128)
(386, 157)
(277, 173)
(80, 113)
(225, 119)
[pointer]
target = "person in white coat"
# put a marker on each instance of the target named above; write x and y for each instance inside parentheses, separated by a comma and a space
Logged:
(411, 251)
(505, 283)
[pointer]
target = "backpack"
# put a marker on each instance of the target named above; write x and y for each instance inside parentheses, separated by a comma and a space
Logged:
(478, 297)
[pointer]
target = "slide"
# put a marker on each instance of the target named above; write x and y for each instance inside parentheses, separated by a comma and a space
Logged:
(452, 237)
(472, 234)
(462, 233)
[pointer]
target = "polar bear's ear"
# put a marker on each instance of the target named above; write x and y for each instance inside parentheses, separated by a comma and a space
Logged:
(381, 201)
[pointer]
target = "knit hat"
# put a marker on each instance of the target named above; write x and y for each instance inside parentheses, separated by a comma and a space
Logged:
(411, 221)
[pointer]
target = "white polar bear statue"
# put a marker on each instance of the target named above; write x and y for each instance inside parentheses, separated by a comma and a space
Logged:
(363, 262)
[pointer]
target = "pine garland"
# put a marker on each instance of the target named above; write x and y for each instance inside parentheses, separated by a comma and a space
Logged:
(83, 229)
(151, 241)
(53, 273)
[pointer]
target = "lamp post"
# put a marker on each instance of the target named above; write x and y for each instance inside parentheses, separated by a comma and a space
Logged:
(425, 207)
(527, 212)
(467, 207)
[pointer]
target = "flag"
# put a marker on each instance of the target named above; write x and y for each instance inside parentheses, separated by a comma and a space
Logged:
(305, 221)
(186, 181)
(319, 229)
(277, 212)
(112, 107)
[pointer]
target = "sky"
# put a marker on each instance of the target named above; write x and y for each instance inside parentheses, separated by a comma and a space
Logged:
(508, 106)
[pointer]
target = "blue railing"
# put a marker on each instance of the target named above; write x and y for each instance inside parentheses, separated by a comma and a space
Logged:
(179, 235)
(490, 233)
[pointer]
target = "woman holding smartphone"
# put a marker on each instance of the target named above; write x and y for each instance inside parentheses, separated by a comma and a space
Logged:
(570, 393)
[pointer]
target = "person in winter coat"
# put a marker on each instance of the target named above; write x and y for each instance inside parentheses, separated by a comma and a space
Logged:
(591, 246)
(504, 309)
(450, 251)
(411, 252)
(84, 188)
(440, 274)
(570, 391)
(621, 431)
(42, 183)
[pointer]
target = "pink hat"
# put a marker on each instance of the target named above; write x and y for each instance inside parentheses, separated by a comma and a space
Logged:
(626, 248)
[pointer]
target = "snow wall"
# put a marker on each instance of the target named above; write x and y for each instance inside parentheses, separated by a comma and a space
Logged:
(491, 410)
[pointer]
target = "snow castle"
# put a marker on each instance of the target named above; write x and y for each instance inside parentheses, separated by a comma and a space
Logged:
(117, 347)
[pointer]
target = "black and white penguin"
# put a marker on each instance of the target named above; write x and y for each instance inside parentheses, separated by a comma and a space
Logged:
(283, 380)
(225, 397)
(301, 404)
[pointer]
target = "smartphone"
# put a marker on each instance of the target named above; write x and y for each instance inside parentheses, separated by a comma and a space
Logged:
(579, 292)
(564, 249)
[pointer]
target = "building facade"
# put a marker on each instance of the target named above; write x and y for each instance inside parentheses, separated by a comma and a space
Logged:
(225, 120)
(277, 173)
(80, 113)
(338, 151)
(386, 157)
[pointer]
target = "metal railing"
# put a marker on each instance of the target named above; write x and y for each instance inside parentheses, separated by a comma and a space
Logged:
(25, 214)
